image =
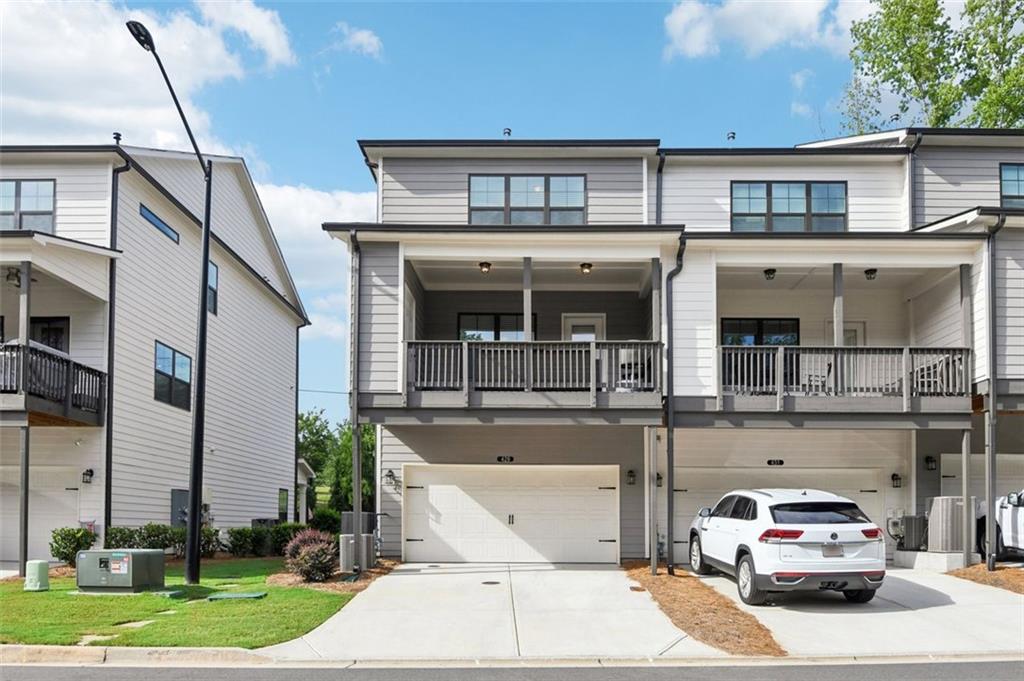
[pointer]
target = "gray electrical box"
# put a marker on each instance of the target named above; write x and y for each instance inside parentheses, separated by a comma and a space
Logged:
(120, 570)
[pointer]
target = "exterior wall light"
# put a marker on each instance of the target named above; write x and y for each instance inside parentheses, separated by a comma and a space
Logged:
(630, 477)
(769, 274)
(485, 267)
(390, 479)
(897, 481)
(871, 274)
(930, 464)
(658, 480)
(87, 476)
(586, 267)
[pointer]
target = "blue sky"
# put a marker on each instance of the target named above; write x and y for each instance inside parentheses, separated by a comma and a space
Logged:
(291, 86)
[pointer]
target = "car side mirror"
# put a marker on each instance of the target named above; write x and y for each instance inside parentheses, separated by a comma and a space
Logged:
(704, 512)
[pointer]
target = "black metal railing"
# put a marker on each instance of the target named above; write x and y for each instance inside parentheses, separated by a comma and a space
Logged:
(51, 377)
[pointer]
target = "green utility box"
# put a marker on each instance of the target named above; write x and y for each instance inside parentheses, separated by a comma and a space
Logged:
(37, 575)
(120, 570)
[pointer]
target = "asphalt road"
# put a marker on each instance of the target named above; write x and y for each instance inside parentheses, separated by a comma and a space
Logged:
(938, 671)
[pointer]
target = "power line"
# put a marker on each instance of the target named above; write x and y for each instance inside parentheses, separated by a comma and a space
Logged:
(326, 392)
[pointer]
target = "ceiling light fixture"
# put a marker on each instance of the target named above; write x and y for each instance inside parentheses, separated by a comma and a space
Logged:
(586, 267)
(485, 267)
(769, 274)
(871, 274)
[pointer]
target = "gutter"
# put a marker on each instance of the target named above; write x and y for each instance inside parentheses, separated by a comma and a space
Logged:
(992, 411)
(108, 454)
(353, 398)
(912, 181)
(670, 416)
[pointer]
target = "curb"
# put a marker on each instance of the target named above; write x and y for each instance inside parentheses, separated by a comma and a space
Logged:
(239, 657)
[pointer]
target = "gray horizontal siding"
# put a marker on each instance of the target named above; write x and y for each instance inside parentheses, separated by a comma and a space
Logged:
(1009, 269)
(379, 318)
(620, 445)
(437, 190)
(949, 180)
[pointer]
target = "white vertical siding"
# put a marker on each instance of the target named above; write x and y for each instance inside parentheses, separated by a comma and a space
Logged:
(950, 180)
(378, 317)
(695, 324)
(437, 190)
(82, 206)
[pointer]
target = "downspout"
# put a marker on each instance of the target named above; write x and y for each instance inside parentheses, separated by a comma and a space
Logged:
(912, 180)
(653, 534)
(991, 412)
(108, 454)
(670, 416)
(296, 510)
(353, 397)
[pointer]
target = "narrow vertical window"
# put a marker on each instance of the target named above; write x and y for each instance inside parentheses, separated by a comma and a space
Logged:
(282, 505)
(749, 207)
(211, 289)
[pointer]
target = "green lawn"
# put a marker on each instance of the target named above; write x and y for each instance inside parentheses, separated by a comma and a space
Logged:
(58, 617)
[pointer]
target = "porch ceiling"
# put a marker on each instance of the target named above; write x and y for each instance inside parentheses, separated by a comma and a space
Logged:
(547, 275)
(820, 278)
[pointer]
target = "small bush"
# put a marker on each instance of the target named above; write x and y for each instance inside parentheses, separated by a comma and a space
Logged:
(240, 541)
(209, 542)
(281, 534)
(66, 542)
(315, 562)
(326, 520)
(261, 541)
(305, 538)
(154, 536)
(178, 535)
(121, 538)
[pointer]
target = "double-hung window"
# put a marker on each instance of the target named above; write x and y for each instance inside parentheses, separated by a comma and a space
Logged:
(1011, 185)
(527, 199)
(27, 204)
(172, 382)
(788, 206)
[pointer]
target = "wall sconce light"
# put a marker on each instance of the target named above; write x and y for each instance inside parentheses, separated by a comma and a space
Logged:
(769, 274)
(586, 267)
(485, 267)
(871, 274)
(897, 481)
(390, 479)
(658, 480)
(87, 476)
(930, 464)
(631, 477)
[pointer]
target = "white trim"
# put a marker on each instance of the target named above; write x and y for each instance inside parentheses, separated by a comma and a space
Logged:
(380, 190)
(646, 434)
(644, 216)
(401, 319)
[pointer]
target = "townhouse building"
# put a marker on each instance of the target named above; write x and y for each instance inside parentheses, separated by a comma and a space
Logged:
(100, 249)
(569, 346)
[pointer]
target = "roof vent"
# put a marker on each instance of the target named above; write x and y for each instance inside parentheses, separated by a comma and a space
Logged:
(117, 138)
(730, 136)
(506, 132)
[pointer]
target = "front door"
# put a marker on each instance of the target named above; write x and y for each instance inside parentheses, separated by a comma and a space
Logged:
(583, 327)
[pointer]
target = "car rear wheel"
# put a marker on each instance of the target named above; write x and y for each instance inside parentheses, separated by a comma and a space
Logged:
(983, 543)
(749, 593)
(697, 563)
(859, 595)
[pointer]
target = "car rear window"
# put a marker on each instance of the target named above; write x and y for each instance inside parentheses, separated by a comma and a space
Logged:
(818, 513)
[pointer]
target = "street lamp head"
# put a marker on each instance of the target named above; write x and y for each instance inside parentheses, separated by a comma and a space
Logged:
(141, 35)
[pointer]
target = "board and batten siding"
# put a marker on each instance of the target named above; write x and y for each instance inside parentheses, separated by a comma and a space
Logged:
(621, 445)
(695, 322)
(251, 361)
(82, 193)
(379, 317)
(950, 180)
(424, 190)
(697, 192)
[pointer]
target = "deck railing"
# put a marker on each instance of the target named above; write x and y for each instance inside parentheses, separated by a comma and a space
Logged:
(845, 371)
(602, 366)
(52, 377)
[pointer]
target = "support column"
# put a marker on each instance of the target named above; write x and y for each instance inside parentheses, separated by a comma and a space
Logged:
(23, 501)
(528, 318)
(24, 326)
(837, 305)
(966, 311)
(656, 299)
(652, 496)
(357, 498)
(965, 483)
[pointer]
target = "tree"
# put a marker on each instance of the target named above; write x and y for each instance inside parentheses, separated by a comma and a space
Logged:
(861, 102)
(993, 45)
(317, 440)
(339, 469)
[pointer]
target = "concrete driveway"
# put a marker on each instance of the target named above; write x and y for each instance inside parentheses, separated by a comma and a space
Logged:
(914, 613)
(472, 611)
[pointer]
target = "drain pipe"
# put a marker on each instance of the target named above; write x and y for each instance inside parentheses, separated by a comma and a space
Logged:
(653, 506)
(353, 398)
(670, 407)
(911, 181)
(991, 412)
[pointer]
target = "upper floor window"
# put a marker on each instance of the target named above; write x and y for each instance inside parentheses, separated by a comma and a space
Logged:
(527, 199)
(172, 377)
(491, 327)
(152, 218)
(1011, 185)
(211, 288)
(27, 204)
(788, 206)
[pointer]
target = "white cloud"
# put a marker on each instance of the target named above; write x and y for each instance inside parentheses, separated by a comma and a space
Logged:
(800, 109)
(357, 40)
(71, 72)
(325, 326)
(262, 27)
(690, 27)
(800, 78)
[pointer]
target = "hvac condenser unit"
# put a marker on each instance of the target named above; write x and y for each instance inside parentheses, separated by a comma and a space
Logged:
(914, 530)
(945, 524)
(120, 570)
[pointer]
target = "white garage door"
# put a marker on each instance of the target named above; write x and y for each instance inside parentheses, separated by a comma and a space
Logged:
(514, 514)
(52, 503)
(1009, 474)
(699, 487)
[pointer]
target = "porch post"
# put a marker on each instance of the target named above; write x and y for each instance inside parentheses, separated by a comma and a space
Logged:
(652, 496)
(23, 501)
(528, 320)
(361, 561)
(837, 305)
(24, 324)
(966, 309)
(656, 299)
(965, 483)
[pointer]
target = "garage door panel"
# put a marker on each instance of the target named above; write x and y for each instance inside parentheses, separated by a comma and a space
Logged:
(560, 513)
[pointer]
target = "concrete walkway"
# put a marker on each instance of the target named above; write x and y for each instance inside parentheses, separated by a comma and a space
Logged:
(449, 612)
(915, 613)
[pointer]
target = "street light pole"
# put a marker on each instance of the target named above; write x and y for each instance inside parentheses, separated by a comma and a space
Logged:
(193, 537)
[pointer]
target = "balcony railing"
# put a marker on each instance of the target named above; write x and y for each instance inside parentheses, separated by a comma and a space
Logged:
(71, 388)
(549, 366)
(803, 371)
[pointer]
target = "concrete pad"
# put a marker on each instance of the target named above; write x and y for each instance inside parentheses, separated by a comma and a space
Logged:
(916, 612)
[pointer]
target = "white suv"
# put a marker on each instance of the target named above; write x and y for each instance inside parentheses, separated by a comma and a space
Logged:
(788, 540)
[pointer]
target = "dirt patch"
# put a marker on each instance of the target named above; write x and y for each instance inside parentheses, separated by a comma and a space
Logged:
(336, 583)
(1004, 576)
(54, 572)
(703, 613)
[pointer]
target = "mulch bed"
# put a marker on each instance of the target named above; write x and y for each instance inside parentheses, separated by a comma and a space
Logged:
(703, 613)
(335, 583)
(1004, 576)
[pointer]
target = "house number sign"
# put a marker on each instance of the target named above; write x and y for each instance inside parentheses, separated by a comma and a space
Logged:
(506, 459)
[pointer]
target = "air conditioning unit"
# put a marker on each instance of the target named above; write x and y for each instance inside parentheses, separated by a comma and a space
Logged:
(120, 570)
(913, 533)
(945, 524)
(347, 548)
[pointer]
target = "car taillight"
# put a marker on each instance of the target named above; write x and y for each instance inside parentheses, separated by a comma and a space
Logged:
(775, 535)
(872, 533)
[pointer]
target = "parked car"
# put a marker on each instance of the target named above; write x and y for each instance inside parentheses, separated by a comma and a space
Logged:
(789, 540)
(1009, 524)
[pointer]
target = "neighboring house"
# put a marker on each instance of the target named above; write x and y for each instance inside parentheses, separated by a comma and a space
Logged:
(514, 306)
(100, 255)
